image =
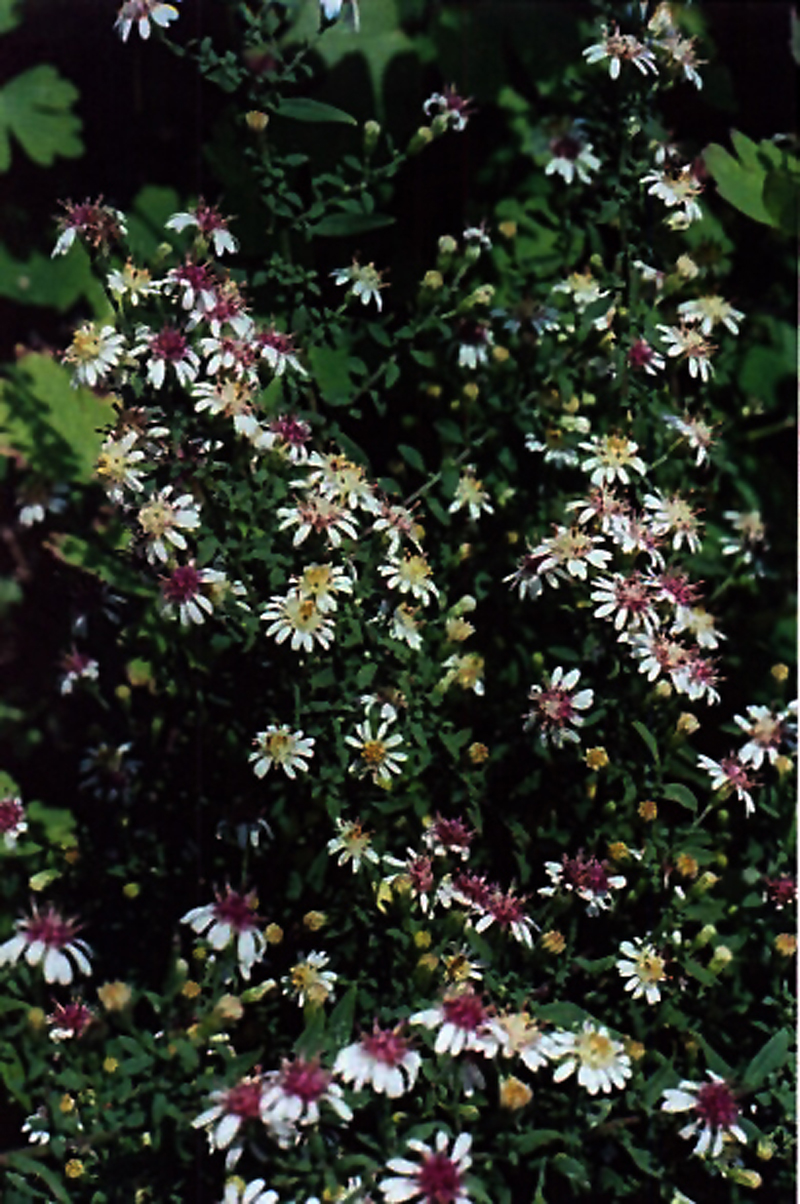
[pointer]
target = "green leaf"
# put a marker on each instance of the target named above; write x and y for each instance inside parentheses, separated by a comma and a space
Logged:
(331, 369)
(535, 1138)
(772, 1056)
(740, 181)
(9, 16)
(303, 108)
(342, 225)
(648, 738)
(411, 457)
(36, 108)
(340, 1022)
(32, 1166)
(60, 283)
(680, 794)
(58, 823)
(700, 973)
(573, 1170)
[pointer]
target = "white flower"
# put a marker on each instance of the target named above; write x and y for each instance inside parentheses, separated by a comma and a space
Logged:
(382, 1058)
(133, 283)
(688, 343)
(612, 457)
(140, 13)
(377, 752)
(555, 706)
(294, 1095)
(321, 514)
(619, 48)
(587, 877)
(337, 477)
(231, 1109)
(572, 156)
(599, 1060)
(644, 969)
(583, 288)
(766, 731)
(709, 311)
(524, 1039)
(411, 575)
(309, 981)
(466, 670)
(463, 1023)
(626, 600)
(570, 552)
(168, 346)
(119, 465)
(48, 940)
(163, 520)
(300, 618)
(729, 775)
(209, 224)
(405, 627)
(365, 282)
(231, 918)
(449, 108)
(677, 188)
(95, 350)
(471, 494)
(192, 592)
(352, 844)
(673, 515)
(438, 1176)
(716, 1113)
(278, 745)
(697, 433)
(239, 1192)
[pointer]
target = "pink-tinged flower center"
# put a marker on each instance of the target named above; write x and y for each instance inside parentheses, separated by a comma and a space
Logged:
(506, 910)
(439, 1179)
(50, 929)
(385, 1045)
(678, 587)
(566, 147)
(281, 343)
(716, 1105)
(473, 888)
(464, 1011)
(633, 594)
(74, 1017)
(421, 875)
(208, 220)
(473, 334)
(236, 910)
(182, 584)
(291, 430)
(587, 875)
(305, 1079)
(169, 344)
(780, 890)
(194, 274)
(11, 814)
(556, 705)
(736, 774)
(244, 1099)
(640, 354)
(75, 662)
(452, 833)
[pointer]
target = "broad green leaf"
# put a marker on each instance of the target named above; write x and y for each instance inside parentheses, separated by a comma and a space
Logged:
(574, 1171)
(36, 108)
(150, 210)
(9, 15)
(58, 824)
(56, 428)
(340, 1024)
(303, 108)
(740, 181)
(342, 225)
(680, 794)
(772, 1056)
(34, 1166)
(331, 370)
(58, 283)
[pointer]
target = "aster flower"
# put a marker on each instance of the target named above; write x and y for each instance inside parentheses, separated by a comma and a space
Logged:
(96, 223)
(48, 940)
(278, 745)
(94, 351)
(254, 1192)
(451, 109)
(163, 520)
(782, 891)
(294, 1095)
(378, 753)
(436, 1178)
(321, 514)
(38, 499)
(231, 1109)
(352, 844)
(119, 465)
(716, 1113)
(570, 552)
(189, 593)
(411, 575)
(383, 1059)
(210, 225)
(235, 353)
(463, 1023)
(555, 706)
(766, 731)
(414, 877)
(365, 282)
(599, 1060)
(689, 344)
(396, 523)
(474, 341)
(572, 155)
(166, 347)
(232, 918)
(289, 434)
(140, 13)
(405, 627)
(699, 623)
(466, 670)
(299, 618)
(587, 877)
(674, 516)
(77, 666)
(643, 967)
(309, 981)
(751, 534)
(471, 495)
(106, 771)
(626, 600)
(582, 288)
(618, 49)
(12, 820)
(132, 284)
(697, 433)
(678, 188)
(278, 349)
(709, 312)
(446, 836)
(337, 477)
(729, 775)
(553, 447)
(611, 459)
(507, 911)
(69, 1020)
(642, 355)
(526, 1040)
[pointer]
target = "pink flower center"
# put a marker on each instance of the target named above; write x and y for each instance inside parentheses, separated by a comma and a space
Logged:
(633, 594)
(736, 774)
(465, 1011)
(244, 1099)
(587, 875)
(291, 430)
(566, 148)
(184, 583)
(640, 354)
(385, 1045)
(678, 587)
(780, 890)
(473, 888)
(421, 875)
(208, 220)
(452, 833)
(50, 929)
(75, 1017)
(716, 1105)
(439, 1179)
(194, 274)
(555, 705)
(473, 334)
(11, 814)
(305, 1079)
(169, 344)
(237, 911)
(281, 343)
(506, 910)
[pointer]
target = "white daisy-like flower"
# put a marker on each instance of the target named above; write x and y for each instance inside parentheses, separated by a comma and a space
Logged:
(642, 355)
(612, 458)
(572, 156)
(140, 13)
(582, 288)
(627, 600)
(132, 283)
(94, 351)
(600, 1061)
(674, 516)
(210, 225)
(474, 341)
(120, 465)
(709, 312)
(677, 188)
(97, 224)
(352, 844)
(525, 1039)
(716, 1113)
(643, 967)
(751, 534)
(450, 108)
(294, 1095)
(465, 670)
(555, 706)
(278, 745)
(405, 626)
(766, 730)
(254, 1192)
(230, 1110)
(191, 592)
(299, 619)
(570, 552)
(163, 520)
(410, 575)
(48, 940)
(697, 433)
(365, 282)
(383, 1059)
(378, 753)
(168, 346)
(77, 666)
(309, 981)
(587, 877)
(231, 919)
(730, 775)
(618, 49)
(321, 514)
(688, 343)
(463, 1023)
(335, 476)
(436, 1177)
(471, 495)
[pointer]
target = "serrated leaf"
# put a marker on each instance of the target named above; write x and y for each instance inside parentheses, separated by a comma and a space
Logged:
(303, 108)
(741, 183)
(679, 793)
(648, 738)
(35, 107)
(772, 1056)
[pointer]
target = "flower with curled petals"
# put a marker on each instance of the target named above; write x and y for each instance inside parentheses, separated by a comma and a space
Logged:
(438, 1176)
(716, 1113)
(231, 918)
(383, 1058)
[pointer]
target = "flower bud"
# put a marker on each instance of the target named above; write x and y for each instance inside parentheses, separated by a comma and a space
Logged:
(422, 138)
(372, 132)
(256, 121)
(721, 959)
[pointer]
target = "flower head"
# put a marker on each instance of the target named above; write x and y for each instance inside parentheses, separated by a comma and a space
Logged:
(383, 1058)
(69, 1020)
(620, 48)
(644, 969)
(140, 13)
(97, 224)
(352, 844)
(309, 981)
(378, 753)
(232, 918)
(163, 519)
(294, 1095)
(48, 940)
(599, 1060)
(300, 618)
(555, 708)
(191, 592)
(464, 1023)
(410, 575)
(12, 820)
(278, 745)
(211, 227)
(716, 1113)
(365, 282)
(94, 351)
(452, 110)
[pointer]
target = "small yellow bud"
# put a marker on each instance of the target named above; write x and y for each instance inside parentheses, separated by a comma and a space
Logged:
(706, 882)
(786, 944)
(423, 137)
(648, 810)
(314, 920)
(422, 940)
(554, 941)
(131, 890)
(229, 1007)
(508, 229)
(686, 865)
(74, 1168)
(256, 121)
(114, 996)
(274, 934)
(634, 1049)
(596, 758)
(110, 1065)
(780, 671)
(743, 1176)
(447, 245)
(433, 280)
(500, 354)
(471, 391)
(514, 1094)
(706, 933)
(765, 1150)
(477, 753)
(663, 690)
(66, 1104)
(190, 989)
(434, 391)
(199, 953)
(572, 406)
(721, 959)
(687, 724)
(783, 765)
(36, 1018)
(428, 961)
(618, 851)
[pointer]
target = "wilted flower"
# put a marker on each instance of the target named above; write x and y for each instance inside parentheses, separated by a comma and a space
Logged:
(688, 343)
(446, 836)
(716, 1113)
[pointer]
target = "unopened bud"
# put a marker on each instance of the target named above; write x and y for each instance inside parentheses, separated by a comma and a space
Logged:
(422, 138)
(256, 121)
(721, 959)
(372, 132)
